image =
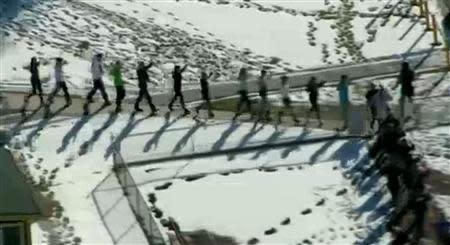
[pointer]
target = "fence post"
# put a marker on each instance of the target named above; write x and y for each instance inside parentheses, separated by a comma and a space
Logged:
(427, 17)
(435, 30)
(421, 12)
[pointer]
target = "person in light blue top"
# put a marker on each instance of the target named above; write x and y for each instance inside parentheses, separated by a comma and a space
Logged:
(344, 100)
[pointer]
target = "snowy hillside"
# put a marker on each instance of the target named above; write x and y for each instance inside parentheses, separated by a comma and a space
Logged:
(282, 36)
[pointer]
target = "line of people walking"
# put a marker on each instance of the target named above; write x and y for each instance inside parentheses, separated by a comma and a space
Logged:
(377, 98)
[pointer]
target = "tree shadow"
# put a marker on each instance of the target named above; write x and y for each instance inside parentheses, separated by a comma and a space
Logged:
(157, 136)
(272, 138)
(294, 147)
(73, 132)
(436, 83)
(43, 122)
(253, 131)
(416, 42)
(97, 133)
(234, 125)
(182, 142)
(131, 124)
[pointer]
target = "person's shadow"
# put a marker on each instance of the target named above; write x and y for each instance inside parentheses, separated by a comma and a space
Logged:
(43, 122)
(116, 144)
(73, 132)
(182, 142)
(253, 131)
(221, 141)
(157, 136)
(88, 144)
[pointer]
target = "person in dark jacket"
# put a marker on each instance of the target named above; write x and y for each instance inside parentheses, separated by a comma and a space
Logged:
(204, 86)
(313, 89)
(177, 76)
(243, 93)
(405, 79)
(36, 86)
(143, 79)
(373, 110)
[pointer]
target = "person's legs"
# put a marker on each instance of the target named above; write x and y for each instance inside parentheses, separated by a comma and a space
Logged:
(101, 87)
(182, 103)
(92, 92)
(210, 112)
(149, 100)
(345, 106)
(39, 89)
(138, 99)
(402, 107)
(66, 93)
(173, 100)
(120, 94)
(317, 109)
(52, 95)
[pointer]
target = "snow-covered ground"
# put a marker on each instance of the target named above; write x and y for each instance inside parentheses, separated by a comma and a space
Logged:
(290, 36)
(79, 150)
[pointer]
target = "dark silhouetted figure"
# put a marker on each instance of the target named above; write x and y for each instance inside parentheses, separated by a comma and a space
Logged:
(36, 86)
(143, 79)
(177, 76)
(243, 93)
(313, 90)
(204, 85)
(97, 71)
(405, 79)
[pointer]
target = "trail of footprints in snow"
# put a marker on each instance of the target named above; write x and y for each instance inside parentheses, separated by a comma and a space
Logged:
(86, 19)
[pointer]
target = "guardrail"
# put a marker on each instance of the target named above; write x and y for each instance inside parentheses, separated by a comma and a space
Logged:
(137, 202)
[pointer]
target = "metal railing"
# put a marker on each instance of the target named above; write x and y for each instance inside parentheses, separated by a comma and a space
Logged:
(137, 202)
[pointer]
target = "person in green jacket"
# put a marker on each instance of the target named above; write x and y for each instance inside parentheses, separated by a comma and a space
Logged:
(116, 73)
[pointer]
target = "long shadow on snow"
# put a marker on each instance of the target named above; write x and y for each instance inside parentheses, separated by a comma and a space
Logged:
(43, 122)
(294, 147)
(182, 142)
(131, 124)
(97, 133)
(348, 152)
(253, 131)
(73, 132)
(221, 141)
(272, 138)
(157, 136)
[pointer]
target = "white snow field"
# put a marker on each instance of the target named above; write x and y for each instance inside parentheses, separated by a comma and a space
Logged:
(287, 37)
(80, 151)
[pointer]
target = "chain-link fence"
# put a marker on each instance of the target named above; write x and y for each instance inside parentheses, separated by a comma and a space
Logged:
(137, 202)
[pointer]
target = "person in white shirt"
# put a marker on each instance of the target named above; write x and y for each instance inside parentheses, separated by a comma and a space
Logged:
(60, 83)
(287, 103)
(243, 93)
(97, 74)
(264, 106)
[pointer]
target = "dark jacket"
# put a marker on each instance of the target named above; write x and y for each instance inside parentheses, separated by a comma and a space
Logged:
(34, 69)
(143, 77)
(406, 78)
